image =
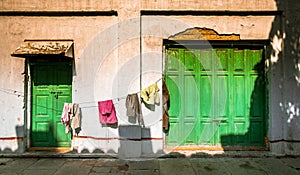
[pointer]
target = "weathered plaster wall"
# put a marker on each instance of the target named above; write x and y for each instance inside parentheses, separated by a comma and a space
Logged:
(145, 5)
(290, 83)
(15, 30)
(122, 54)
(11, 93)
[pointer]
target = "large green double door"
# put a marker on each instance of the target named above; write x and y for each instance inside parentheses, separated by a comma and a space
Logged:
(217, 97)
(51, 87)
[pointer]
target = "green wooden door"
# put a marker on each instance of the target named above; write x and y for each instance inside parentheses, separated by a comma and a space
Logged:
(217, 97)
(51, 87)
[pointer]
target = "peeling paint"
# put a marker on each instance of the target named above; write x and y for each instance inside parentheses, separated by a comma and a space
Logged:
(203, 34)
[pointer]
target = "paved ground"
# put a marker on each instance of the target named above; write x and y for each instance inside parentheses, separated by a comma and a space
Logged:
(158, 166)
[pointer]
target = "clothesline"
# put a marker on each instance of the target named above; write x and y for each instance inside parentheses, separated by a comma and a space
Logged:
(124, 97)
(17, 93)
(114, 99)
(12, 92)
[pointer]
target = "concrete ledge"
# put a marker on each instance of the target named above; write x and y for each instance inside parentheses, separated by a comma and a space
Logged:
(231, 154)
(56, 155)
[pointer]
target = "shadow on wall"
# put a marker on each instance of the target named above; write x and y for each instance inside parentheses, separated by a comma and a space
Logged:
(134, 142)
(283, 79)
(15, 144)
(259, 93)
(132, 139)
(255, 135)
(50, 137)
(288, 65)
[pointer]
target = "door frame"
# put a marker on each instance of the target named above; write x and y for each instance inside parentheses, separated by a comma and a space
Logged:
(202, 44)
(28, 101)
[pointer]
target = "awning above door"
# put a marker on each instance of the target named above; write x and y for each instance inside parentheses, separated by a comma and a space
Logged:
(50, 48)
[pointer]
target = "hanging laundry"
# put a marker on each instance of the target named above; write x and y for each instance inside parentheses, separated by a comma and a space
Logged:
(107, 112)
(71, 117)
(150, 94)
(75, 115)
(134, 108)
(65, 117)
(166, 106)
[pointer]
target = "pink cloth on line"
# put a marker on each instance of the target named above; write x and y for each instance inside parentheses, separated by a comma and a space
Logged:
(65, 118)
(107, 112)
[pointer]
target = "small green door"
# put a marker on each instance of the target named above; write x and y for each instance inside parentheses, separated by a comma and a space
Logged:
(217, 97)
(51, 87)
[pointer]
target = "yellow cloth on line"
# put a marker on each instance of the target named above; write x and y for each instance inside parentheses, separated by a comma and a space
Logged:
(150, 94)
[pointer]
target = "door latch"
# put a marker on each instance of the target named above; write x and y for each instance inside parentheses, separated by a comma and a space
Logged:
(56, 94)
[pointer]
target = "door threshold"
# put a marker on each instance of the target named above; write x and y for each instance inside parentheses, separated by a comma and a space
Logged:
(192, 148)
(215, 148)
(204, 151)
(50, 149)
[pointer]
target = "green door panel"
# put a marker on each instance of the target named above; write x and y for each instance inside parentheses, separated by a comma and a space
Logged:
(174, 137)
(51, 87)
(217, 97)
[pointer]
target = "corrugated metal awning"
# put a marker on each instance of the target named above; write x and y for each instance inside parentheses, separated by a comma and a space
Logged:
(33, 48)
